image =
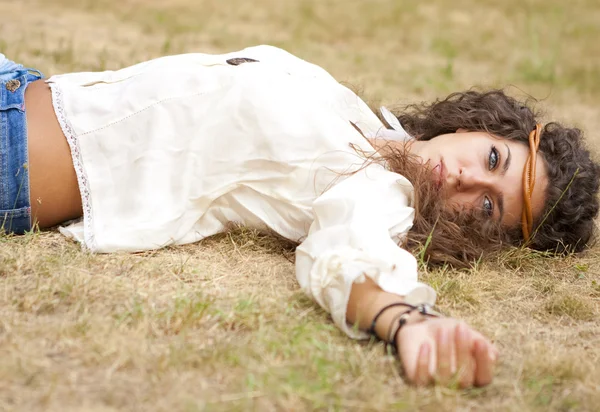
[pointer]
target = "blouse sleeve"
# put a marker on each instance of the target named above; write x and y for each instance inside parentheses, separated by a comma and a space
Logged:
(357, 226)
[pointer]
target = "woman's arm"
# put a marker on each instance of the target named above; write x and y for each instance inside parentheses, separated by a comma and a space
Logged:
(438, 349)
(350, 263)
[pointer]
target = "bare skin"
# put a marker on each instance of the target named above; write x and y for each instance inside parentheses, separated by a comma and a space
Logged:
(54, 191)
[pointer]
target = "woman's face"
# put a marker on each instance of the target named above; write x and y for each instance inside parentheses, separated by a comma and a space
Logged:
(477, 170)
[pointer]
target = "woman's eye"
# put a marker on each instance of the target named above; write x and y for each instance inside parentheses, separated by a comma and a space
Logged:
(493, 159)
(488, 207)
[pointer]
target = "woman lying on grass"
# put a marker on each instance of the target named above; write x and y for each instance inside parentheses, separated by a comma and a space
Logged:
(173, 150)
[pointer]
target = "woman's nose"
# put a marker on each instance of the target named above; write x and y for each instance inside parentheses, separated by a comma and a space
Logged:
(469, 179)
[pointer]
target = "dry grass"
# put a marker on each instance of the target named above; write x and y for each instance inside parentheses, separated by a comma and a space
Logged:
(221, 325)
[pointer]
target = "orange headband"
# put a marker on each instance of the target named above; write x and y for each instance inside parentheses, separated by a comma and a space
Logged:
(529, 181)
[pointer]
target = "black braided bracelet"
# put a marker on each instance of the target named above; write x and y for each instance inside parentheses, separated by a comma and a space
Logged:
(423, 309)
(391, 305)
(401, 320)
(397, 318)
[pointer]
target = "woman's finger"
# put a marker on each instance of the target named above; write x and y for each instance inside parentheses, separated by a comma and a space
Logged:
(464, 358)
(484, 358)
(444, 353)
(422, 376)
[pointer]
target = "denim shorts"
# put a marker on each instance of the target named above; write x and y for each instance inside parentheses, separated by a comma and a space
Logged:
(15, 206)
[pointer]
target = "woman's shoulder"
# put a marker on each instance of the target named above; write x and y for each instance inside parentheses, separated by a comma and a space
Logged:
(265, 52)
(281, 58)
(277, 59)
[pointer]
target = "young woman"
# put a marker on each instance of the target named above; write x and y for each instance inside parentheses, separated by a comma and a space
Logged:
(172, 150)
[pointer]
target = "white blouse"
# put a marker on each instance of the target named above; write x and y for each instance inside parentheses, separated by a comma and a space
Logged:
(172, 150)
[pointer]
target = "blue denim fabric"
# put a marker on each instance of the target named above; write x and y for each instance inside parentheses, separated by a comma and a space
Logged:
(15, 207)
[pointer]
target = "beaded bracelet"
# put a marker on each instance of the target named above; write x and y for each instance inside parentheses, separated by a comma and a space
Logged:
(391, 305)
(424, 309)
(401, 320)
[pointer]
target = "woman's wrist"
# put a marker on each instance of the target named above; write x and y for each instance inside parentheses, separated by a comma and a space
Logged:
(392, 317)
(378, 312)
(408, 318)
(409, 315)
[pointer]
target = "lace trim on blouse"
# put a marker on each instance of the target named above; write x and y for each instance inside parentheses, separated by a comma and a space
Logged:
(82, 180)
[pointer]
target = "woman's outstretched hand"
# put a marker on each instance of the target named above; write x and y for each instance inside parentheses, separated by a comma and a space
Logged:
(446, 350)
(443, 350)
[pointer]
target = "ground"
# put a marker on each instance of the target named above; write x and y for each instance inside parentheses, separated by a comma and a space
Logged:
(222, 325)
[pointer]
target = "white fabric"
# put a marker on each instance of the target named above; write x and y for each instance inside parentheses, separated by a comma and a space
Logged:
(171, 150)
(396, 132)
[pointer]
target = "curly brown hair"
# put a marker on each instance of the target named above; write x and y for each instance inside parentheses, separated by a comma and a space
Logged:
(566, 223)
